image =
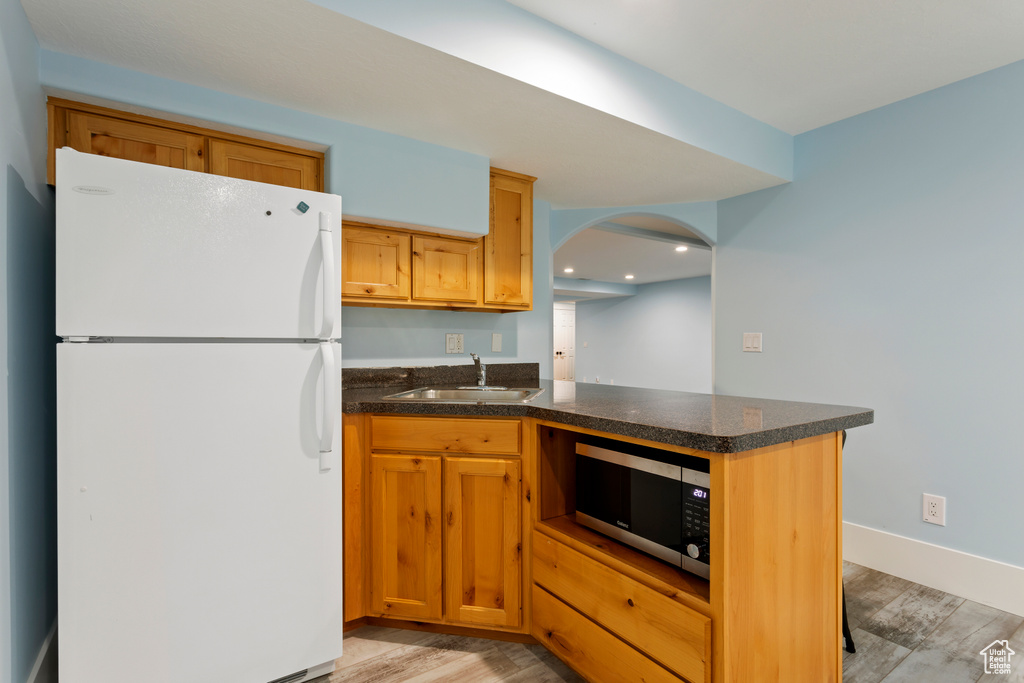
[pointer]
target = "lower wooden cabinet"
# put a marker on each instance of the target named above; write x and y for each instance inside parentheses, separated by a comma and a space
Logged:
(446, 531)
(405, 541)
(483, 541)
(589, 649)
(645, 620)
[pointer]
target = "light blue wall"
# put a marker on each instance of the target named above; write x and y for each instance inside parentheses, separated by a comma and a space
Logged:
(658, 339)
(378, 175)
(27, 349)
(889, 275)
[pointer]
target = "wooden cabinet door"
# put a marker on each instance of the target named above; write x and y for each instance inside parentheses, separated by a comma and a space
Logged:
(375, 263)
(483, 541)
(508, 257)
(264, 165)
(112, 137)
(405, 536)
(445, 269)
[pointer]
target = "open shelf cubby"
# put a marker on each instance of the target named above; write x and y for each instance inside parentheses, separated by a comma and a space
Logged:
(556, 518)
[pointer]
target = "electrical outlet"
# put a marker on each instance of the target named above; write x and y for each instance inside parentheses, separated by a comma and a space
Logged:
(495, 342)
(934, 509)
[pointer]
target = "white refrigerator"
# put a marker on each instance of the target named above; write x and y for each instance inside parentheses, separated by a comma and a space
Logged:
(199, 438)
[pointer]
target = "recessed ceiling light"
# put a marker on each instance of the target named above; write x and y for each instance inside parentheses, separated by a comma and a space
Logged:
(568, 270)
(629, 277)
(680, 248)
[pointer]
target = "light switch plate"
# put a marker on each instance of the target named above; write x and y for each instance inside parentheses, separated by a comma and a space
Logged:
(752, 342)
(495, 342)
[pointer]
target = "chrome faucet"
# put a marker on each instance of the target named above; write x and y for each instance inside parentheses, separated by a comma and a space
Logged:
(481, 371)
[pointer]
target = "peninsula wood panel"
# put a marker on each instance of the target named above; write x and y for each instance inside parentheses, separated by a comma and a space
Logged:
(263, 165)
(356, 478)
(375, 263)
(776, 572)
(654, 623)
(508, 257)
(445, 434)
(110, 137)
(445, 269)
(589, 649)
(406, 561)
(483, 550)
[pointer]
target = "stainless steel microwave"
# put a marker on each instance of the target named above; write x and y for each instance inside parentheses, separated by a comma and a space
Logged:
(660, 506)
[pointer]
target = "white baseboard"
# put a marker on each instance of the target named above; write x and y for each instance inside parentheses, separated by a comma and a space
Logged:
(45, 668)
(980, 579)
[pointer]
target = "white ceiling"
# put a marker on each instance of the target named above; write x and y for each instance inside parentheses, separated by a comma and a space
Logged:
(299, 55)
(801, 64)
(794, 64)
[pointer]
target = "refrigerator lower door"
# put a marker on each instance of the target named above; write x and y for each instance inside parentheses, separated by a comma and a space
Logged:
(199, 524)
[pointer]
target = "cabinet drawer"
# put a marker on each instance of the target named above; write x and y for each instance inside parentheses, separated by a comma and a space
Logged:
(669, 632)
(589, 649)
(445, 435)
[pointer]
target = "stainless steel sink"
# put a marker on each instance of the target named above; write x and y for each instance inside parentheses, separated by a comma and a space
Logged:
(467, 395)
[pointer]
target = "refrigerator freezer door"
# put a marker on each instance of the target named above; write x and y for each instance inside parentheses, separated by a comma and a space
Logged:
(148, 251)
(199, 538)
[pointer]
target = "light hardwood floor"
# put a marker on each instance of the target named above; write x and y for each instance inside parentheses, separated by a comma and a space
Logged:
(385, 655)
(903, 632)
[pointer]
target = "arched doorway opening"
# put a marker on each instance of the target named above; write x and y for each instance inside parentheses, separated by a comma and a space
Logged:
(632, 297)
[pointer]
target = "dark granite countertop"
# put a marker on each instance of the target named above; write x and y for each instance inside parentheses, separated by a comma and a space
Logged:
(707, 422)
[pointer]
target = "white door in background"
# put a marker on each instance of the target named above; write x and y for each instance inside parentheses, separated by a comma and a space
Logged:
(565, 341)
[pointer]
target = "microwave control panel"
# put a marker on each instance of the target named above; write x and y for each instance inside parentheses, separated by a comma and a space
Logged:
(696, 522)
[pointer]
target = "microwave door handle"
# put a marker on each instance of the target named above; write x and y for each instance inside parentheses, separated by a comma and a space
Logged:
(328, 406)
(330, 305)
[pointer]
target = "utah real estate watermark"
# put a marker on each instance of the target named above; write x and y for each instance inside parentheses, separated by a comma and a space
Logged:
(997, 657)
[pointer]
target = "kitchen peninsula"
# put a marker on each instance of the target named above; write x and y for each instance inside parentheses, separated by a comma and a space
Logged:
(459, 517)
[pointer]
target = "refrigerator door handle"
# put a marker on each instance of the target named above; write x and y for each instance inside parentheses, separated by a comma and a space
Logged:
(331, 283)
(330, 408)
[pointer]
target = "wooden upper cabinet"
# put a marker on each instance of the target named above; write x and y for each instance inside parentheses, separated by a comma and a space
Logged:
(508, 255)
(483, 541)
(238, 160)
(112, 137)
(123, 135)
(445, 269)
(375, 263)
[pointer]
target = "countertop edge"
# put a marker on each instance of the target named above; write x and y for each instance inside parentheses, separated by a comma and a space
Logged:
(659, 434)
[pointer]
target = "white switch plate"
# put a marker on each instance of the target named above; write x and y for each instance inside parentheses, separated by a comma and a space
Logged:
(495, 342)
(453, 343)
(752, 341)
